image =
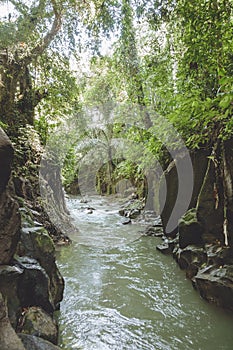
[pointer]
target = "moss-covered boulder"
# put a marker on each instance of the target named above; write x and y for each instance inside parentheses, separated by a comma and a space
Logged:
(36, 243)
(190, 230)
(35, 321)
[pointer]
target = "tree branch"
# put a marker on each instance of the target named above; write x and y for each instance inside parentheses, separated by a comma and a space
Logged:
(49, 36)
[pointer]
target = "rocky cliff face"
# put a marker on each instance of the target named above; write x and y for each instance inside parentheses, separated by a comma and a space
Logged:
(202, 241)
(29, 277)
(9, 214)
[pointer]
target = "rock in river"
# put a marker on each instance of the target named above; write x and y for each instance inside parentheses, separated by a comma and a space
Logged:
(215, 284)
(35, 321)
(32, 342)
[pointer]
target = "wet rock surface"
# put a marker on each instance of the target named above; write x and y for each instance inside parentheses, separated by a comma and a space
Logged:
(8, 337)
(132, 208)
(35, 321)
(32, 342)
(215, 284)
(33, 286)
(36, 243)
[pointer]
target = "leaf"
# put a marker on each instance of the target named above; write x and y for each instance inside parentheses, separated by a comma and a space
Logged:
(225, 102)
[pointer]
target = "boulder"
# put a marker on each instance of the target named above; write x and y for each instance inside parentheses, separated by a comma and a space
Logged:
(164, 248)
(215, 284)
(32, 342)
(190, 259)
(132, 209)
(169, 187)
(36, 243)
(190, 230)
(219, 255)
(126, 221)
(6, 159)
(8, 337)
(34, 285)
(156, 231)
(210, 206)
(9, 277)
(35, 321)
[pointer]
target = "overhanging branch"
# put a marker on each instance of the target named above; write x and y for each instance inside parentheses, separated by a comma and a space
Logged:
(49, 36)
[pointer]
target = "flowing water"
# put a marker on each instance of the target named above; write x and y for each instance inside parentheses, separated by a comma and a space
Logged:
(122, 294)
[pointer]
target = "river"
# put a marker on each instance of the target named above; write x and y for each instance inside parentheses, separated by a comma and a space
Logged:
(122, 294)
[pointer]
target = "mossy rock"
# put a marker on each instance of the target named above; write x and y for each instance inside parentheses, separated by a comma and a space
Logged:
(26, 216)
(38, 323)
(190, 229)
(37, 243)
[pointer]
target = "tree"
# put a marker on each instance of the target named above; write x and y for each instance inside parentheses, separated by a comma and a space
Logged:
(35, 33)
(18, 98)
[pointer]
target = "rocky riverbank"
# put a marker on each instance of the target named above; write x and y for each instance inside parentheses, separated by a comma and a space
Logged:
(31, 287)
(201, 243)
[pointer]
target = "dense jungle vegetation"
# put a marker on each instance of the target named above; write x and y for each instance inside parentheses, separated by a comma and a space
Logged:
(135, 64)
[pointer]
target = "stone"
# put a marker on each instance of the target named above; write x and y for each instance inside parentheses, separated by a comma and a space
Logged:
(191, 257)
(122, 212)
(6, 159)
(190, 230)
(164, 248)
(34, 285)
(35, 321)
(8, 337)
(9, 226)
(9, 276)
(219, 255)
(134, 213)
(210, 206)
(36, 243)
(126, 221)
(9, 215)
(132, 209)
(32, 342)
(169, 187)
(215, 284)
(154, 231)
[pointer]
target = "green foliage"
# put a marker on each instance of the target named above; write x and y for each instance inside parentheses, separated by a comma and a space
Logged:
(70, 167)
(171, 59)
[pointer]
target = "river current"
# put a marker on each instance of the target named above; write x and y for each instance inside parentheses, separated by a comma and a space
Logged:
(122, 294)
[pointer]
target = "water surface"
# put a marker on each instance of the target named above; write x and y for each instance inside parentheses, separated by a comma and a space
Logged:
(122, 294)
